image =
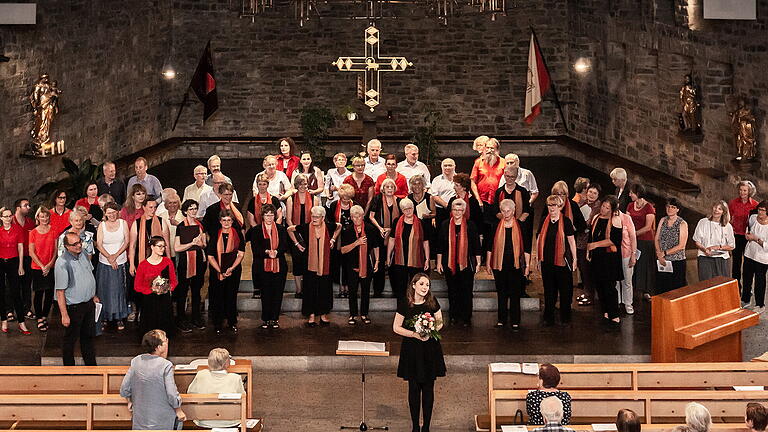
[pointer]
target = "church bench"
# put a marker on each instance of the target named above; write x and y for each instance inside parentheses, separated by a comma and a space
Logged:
(702, 332)
(482, 424)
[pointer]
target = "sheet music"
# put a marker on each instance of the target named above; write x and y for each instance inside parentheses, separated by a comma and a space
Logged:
(598, 427)
(748, 388)
(230, 396)
(251, 423)
(514, 428)
(185, 367)
(97, 312)
(362, 346)
(531, 368)
(666, 268)
(506, 367)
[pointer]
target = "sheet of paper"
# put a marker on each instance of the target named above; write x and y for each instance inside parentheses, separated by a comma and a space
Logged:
(531, 368)
(666, 268)
(514, 428)
(224, 430)
(204, 362)
(230, 396)
(251, 423)
(97, 312)
(362, 346)
(597, 427)
(748, 388)
(185, 367)
(638, 252)
(506, 367)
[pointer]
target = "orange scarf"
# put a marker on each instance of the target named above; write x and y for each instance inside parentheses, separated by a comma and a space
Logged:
(608, 226)
(319, 250)
(296, 213)
(191, 253)
(271, 265)
(459, 259)
(567, 210)
(362, 252)
(518, 198)
(257, 206)
(143, 240)
(497, 258)
(388, 216)
(337, 215)
(233, 242)
(235, 212)
(559, 241)
(415, 244)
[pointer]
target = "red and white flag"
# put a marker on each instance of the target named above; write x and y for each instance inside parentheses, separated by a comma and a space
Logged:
(538, 82)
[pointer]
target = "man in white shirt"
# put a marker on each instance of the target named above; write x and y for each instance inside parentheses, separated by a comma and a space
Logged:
(196, 189)
(335, 177)
(525, 177)
(412, 166)
(374, 165)
(150, 182)
(214, 166)
(442, 186)
(212, 196)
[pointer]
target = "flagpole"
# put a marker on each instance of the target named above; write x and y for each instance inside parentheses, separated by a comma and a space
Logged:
(181, 108)
(552, 81)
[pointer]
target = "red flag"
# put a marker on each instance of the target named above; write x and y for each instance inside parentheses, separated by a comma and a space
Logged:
(204, 83)
(538, 82)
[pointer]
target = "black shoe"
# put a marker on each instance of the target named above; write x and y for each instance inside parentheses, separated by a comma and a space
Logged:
(11, 317)
(184, 327)
(499, 324)
(275, 325)
(324, 323)
(340, 295)
(351, 321)
(233, 329)
(265, 325)
(365, 319)
(198, 323)
(219, 332)
(310, 324)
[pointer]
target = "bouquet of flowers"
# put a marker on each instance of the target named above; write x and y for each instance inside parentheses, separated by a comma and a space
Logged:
(161, 285)
(425, 324)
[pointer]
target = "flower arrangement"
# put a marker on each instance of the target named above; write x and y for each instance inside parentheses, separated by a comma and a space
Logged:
(161, 285)
(425, 324)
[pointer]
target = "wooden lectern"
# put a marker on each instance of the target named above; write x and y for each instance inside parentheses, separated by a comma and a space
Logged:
(699, 323)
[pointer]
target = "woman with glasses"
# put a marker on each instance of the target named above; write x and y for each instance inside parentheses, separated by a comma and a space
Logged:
(756, 259)
(112, 243)
(670, 248)
(269, 242)
(42, 250)
(362, 183)
(11, 268)
(225, 253)
(714, 240)
(556, 252)
(190, 244)
(59, 213)
(298, 210)
(133, 208)
(262, 197)
(155, 280)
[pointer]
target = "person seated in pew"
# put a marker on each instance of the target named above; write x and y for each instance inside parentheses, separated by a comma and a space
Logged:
(216, 379)
(549, 379)
(697, 419)
(627, 421)
(756, 417)
(150, 388)
(551, 409)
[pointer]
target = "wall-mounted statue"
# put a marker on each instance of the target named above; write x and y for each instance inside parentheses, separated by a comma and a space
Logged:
(690, 110)
(744, 128)
(44, 100)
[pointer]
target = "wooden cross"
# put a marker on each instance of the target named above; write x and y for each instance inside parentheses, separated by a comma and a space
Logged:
(372, 64)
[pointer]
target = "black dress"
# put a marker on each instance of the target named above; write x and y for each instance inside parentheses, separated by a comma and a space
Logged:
(419, 361)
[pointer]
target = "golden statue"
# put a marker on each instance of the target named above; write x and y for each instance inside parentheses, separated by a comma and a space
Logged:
(743, 124)
(45, 105)
(689, 116)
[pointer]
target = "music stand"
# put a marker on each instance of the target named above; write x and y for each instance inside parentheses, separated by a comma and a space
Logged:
(362, 350)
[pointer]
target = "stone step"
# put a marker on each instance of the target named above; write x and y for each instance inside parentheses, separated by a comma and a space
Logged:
(438, 285)
(483, 302)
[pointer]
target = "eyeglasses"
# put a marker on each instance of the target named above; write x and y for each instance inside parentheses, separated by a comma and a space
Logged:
(159, 246)
(77, 243)
(6, 216)
(192, 208)
(61, 197)
(553, 205)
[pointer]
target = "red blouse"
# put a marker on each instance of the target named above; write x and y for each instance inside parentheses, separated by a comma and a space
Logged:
(147, 272)
(740, 214)
(131, 219)
(59, 222)
(487, 178)
(293, 164)
(361, 192)
(9, 241)
(400, 182)
(45, 246)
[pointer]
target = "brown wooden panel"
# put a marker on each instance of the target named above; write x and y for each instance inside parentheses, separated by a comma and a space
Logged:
(682, 379)
(50, 384)
(514, 381)
(43, 412)
(717, 408)
(213, 411)
(605, 408)
(606, 380)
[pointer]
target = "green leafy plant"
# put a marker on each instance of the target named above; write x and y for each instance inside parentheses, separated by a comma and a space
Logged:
(426, 137)
(74, 183)
(315, 122)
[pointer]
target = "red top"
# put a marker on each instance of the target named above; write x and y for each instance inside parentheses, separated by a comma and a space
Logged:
(84, 203)
(293, 163)
(400, 182)
(45, 246)
(131, 219)
(147, 272)
(638, 218)
(487, 178)
(740, 214)
(9, 241)
(59, 222)
(28, 226)
(361, 193)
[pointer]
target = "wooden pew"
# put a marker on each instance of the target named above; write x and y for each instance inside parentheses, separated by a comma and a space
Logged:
(481, 426)
(699, 322)
(90, 410)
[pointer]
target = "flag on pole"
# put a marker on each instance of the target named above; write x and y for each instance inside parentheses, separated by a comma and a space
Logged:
(538, 84)
(204, 83)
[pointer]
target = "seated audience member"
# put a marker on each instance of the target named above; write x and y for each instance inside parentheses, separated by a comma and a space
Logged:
(627, 421)
(551, 409)
(216, 379)
(697, 418)
(149, 386)
(756, 417)
(549, 378)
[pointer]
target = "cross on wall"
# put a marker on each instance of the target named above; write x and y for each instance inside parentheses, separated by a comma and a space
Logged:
(372, 64)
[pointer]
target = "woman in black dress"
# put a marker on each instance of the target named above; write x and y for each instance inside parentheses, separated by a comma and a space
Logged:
(383, 212)
(604, 253)
(190, 244)
(359, 249)
(421, 358)
(408, 249)
(225, 253)
(269, 242)
(338, 213)
(297, 208)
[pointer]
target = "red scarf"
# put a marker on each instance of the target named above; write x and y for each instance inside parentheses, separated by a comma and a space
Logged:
(257, 206)
(362, 252)
(337, 215)
(191, 253)
(559, 241)
(415, 243)
(387, 216)
(233, 242)
(319, 260)
(497, 257)
(457, 260)
(271, 265)
(567, 210)
(143, 241)
(608, 226)
(235, 212)
(296, 213)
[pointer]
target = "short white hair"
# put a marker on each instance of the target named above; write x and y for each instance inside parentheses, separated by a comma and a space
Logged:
(406, 203)
(218, 359)
(551, 409)
(200, 168)
(410, 147)
(697, 417)
(512, 157)
(619, 174)
(417, 178)
(214, 158)
(318, 211)
(507, 204)
(446, 160)
(356, 210)
(373, 142)
(268, 157)
(388, 181)
(458, 202)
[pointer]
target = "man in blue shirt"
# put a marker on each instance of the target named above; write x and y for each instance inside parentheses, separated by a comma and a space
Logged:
(76, 296)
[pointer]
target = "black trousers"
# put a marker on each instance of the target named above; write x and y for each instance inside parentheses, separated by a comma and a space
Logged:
(584, 270)
(26, 284)
(81, 326)
(609, 297)
(318, 294)
(193, 285)
(754, 270)
(223, 297)
(460, 286)
(379, 278)
(558, 282)
(669, 281)
(509, 289)
(400, 277)
(272, 287)
(421, 395)
(10, 284)
(365, 292)
(737, 256)
(43, 286)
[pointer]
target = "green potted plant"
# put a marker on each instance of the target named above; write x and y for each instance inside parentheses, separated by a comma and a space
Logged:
(426, 137)
(74, 183)
(315, 122)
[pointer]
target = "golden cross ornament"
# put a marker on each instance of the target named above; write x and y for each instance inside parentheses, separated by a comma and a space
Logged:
(372, 64)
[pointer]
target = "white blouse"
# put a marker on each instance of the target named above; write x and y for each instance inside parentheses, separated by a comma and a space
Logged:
(709, 233)
(753, 250)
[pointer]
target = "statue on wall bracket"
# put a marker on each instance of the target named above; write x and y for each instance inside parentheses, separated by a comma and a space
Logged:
(744, 127)
(44, 101)
(690, 111)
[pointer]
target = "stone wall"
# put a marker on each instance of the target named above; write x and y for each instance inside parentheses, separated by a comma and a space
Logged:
(106, 56)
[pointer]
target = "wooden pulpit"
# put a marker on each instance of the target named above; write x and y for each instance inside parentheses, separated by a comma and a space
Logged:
(701, 322)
